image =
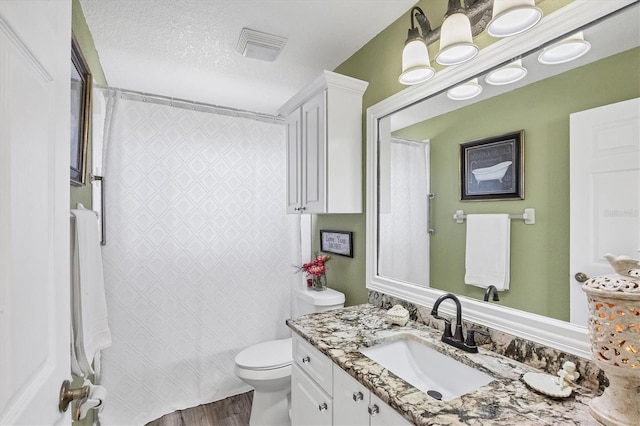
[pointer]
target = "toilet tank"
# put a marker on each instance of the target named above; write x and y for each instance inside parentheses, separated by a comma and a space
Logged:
(310, 301)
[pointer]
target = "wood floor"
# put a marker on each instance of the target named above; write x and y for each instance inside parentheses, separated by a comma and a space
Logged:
(232, 411)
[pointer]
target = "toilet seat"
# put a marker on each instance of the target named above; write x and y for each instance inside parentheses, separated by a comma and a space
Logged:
(266, 356)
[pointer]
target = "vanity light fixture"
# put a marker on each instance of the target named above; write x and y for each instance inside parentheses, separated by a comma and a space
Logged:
(465, 91)
(416, 65)
(565, 50)
(511, 17)
(456, 40)
(507, 74)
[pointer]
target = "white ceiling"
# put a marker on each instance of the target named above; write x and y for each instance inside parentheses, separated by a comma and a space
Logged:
(186, 48)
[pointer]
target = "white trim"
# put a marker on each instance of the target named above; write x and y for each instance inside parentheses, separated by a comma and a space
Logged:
(557, 334)
(326, 79)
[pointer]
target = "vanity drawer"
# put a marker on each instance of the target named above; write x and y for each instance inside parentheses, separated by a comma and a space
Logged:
(310, 360)
(310, 405)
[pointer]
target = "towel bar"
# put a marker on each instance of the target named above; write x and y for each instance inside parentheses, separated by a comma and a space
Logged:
(529, 216)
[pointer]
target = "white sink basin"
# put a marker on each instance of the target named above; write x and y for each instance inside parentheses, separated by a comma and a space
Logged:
(427, 369)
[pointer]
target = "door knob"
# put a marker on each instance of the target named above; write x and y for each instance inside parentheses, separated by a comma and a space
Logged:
(67, 395)
(581, 277)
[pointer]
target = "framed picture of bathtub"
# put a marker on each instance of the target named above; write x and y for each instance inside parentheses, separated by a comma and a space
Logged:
(493, 168)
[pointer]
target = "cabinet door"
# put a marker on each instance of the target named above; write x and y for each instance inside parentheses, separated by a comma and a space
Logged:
(310, 405)
(314, 154)
(350, 400)
(386, 416)
(294, 161)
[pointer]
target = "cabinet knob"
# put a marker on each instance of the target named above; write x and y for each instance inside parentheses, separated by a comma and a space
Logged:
(581, 277)
(323, 407)
(373, 410)
(358, 396)
(303, 208)
(306, 360)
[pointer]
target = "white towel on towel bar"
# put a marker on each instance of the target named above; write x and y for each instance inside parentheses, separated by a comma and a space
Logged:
(488, 250)
(90, 328)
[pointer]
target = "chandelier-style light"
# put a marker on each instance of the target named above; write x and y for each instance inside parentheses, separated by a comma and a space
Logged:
(507, 74)
(565, 50)
(511, 17)
(465, 91)
(416, 65)
(456, 40)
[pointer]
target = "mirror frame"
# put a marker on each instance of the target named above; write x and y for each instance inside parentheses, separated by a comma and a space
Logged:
(561, 335)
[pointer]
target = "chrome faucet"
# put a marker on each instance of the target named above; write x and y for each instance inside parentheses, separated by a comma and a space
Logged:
(456, 339)
(487, 293)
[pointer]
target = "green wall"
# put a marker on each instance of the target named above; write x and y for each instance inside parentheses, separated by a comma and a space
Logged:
(540, 273)
(82, 194)
(378, 62)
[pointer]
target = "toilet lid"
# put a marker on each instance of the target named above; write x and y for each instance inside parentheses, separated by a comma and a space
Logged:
(266, 355)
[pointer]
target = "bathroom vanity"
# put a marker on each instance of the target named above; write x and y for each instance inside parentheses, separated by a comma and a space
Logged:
(332, 379)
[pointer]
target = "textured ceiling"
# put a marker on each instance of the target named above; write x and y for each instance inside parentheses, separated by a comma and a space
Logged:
(186, 48)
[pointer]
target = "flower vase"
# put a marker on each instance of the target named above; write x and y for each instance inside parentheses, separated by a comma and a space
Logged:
(614, 331)
(319, 283)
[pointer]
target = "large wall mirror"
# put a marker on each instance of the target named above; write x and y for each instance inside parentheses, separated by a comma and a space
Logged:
(413, 150)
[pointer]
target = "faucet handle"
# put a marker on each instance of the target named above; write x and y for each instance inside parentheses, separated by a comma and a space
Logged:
(471, 337)
(447, 326)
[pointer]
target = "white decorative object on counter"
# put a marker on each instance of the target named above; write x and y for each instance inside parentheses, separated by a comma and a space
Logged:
(398, 315)
(614, 331)
(567, 376)
(546, 384)
(559, 386)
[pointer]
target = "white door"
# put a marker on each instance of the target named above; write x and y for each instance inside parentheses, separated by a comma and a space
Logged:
(34, 209)
(605, 193)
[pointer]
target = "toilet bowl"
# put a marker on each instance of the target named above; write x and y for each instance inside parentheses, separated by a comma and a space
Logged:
(267, 366)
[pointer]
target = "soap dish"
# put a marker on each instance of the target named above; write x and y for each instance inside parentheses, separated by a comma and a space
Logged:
(546, 384)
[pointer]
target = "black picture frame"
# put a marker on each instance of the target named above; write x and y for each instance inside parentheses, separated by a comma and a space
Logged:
(493, 168)
(80, 114)
(337, 242)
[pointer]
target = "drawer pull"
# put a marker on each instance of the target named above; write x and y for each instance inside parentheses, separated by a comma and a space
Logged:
(323, 407)
(306, 360)
(358, 396)
(373, 410)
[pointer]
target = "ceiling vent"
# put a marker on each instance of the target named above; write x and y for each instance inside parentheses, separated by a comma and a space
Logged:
(258, 45)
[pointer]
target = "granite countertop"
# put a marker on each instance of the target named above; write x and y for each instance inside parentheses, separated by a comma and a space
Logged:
(505, 401)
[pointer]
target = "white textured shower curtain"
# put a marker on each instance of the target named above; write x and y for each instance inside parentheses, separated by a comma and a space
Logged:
(403, 252)
(198, 256)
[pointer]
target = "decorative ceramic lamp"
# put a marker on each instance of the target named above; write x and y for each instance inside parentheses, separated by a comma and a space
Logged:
(614, 331)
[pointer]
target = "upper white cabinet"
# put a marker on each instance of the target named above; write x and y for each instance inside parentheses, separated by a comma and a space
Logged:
(324, 146)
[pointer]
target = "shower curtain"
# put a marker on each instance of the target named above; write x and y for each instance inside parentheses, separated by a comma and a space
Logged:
(198, 256)
(403, 242)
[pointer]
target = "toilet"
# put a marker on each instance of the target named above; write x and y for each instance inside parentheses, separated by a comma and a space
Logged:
(267, 366)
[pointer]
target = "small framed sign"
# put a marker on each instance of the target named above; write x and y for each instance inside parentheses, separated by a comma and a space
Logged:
(337, 242)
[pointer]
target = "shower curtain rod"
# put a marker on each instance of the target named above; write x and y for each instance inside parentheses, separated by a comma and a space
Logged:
(194, 105)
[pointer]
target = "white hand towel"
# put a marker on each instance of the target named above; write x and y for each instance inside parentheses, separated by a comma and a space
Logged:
(89, 305)
(488, 250)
